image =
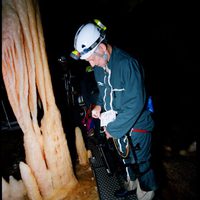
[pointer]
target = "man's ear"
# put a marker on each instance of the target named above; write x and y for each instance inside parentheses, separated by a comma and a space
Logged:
(103, 47)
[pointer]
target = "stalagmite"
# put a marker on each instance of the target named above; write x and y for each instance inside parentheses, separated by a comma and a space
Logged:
(80, 146)
(17, 189)
(13, 190)
(5, 190)
(29, 182)
(27, 78)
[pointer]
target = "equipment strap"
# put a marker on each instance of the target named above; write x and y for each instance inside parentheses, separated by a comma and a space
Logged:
(139, 130)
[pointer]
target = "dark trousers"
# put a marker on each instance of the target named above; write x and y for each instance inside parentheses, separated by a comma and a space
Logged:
(137, 163)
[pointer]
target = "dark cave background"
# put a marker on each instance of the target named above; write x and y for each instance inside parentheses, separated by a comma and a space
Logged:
(162, 35)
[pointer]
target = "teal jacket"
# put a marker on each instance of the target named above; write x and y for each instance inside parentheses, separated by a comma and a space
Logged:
(122, 89)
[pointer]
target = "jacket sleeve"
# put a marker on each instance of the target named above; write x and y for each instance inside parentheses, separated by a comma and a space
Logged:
(99, 100)
(132, 101)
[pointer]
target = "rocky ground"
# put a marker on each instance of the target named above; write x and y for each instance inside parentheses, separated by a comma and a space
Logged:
(179, 177)
(177, 173)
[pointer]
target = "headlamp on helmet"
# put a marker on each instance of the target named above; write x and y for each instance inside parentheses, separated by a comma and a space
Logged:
(75, 55)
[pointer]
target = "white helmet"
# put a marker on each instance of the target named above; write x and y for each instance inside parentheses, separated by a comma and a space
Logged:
(87, 39)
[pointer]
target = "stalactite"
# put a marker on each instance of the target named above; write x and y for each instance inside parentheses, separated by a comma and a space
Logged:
(26, 74)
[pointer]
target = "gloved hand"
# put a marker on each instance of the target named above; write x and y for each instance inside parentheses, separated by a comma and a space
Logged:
(107, 117)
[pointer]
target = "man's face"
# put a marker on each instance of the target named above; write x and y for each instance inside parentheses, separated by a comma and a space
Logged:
(97, 58)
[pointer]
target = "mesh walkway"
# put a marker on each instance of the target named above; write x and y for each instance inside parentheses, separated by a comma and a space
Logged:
(104, 169)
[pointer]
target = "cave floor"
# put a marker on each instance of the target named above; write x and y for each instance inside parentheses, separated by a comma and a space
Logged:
(177, 174)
